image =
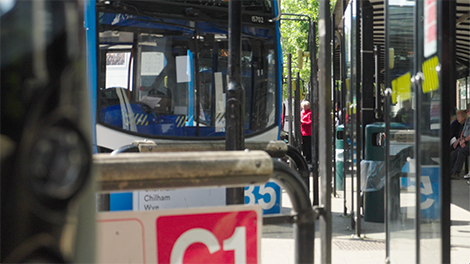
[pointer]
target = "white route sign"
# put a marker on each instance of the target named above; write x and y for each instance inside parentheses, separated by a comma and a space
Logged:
(159, 199)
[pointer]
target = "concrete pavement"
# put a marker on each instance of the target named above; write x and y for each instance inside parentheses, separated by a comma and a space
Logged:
(278, 240)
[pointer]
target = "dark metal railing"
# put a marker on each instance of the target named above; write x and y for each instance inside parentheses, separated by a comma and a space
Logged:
(304, 221)
(275, 148)
(131, 171)
(301, 164)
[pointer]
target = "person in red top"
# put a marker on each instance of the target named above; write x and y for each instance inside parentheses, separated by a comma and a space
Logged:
(306, 129)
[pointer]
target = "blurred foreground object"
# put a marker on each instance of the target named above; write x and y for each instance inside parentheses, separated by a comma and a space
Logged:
(46, 194)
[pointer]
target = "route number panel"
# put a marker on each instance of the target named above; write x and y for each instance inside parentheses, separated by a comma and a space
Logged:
(230, 234)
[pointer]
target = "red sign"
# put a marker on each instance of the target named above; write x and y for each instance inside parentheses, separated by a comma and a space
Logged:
(226, 237)
(230, 234)
(430, 27)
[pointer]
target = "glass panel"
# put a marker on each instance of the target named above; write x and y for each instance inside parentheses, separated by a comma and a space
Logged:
(401, 169)
(353, 106)
(180, 69)
(350, 138)
(429, 140)
(464, 96)
(348, 193)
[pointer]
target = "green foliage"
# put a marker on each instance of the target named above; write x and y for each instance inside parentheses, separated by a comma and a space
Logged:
(295, 35)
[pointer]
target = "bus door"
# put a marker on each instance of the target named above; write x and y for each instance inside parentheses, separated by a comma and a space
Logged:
(413, 127)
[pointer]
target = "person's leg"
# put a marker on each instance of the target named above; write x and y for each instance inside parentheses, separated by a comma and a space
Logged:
(304, 148)
(460, 159)
(307, 148)
(453, 156)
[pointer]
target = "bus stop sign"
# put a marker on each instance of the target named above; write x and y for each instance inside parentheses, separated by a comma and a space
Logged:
(230, 234)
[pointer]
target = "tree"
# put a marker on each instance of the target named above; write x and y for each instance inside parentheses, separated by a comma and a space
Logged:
(295, 34)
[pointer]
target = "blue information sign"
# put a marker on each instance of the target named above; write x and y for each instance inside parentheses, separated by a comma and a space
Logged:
(267, 195)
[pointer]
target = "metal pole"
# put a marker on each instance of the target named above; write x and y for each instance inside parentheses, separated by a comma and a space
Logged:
(275, 148)
(314, 109)
(235, 109)
(197, 92)
(359, 118)
(417, 87)
(298, 134)
(388, 94)
(134, 171)
(386, 113)
(378, 81)
(446, 51)
(351, 122)
(289, 99)
(343, 112)
(324, 61)
(334, 102)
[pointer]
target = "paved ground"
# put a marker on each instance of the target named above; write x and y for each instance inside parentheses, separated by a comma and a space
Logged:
(278, 240)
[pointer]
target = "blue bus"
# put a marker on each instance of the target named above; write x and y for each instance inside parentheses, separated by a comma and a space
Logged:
(158, 70)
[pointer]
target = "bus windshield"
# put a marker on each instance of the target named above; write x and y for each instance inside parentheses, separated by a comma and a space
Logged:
(167, 77)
